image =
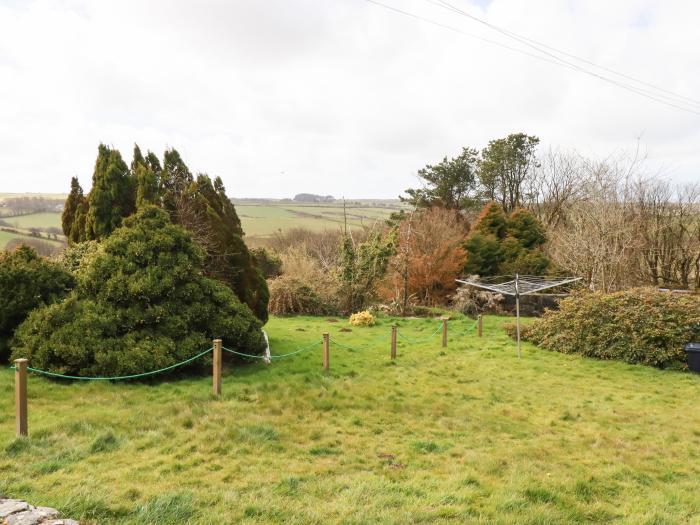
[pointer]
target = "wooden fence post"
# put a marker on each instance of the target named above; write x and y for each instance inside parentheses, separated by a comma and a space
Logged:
(393, 342)
(216, 368)
(444, 331)
(326, 352)
(21, 397)
(479, 326)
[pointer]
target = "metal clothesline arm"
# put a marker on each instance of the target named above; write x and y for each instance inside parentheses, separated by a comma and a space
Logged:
(551, 285)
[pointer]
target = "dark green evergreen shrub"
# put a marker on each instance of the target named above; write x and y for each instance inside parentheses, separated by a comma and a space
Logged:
(501, 244)
(199, 204)
(269, 263)
(636, 326)
(227, 257)
(143, 303)
(26, 282)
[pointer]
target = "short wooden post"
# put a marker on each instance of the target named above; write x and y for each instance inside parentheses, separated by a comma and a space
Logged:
(216, 368)
(393, 342)
(479, 326)
(326, 352)
(21, 397)
(444, 331)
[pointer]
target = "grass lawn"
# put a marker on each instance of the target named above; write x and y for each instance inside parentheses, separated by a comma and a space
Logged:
(468, 434)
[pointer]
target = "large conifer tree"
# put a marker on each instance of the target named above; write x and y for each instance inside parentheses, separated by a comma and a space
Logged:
(112, 196)
(147, 179)
(200, 206)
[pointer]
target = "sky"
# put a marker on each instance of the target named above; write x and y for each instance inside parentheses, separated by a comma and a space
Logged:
(339, 97)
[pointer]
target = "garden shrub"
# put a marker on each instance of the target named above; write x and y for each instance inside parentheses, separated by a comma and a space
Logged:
(290, 295)
(362, 319)
(501, 244)
(304, 287)
(142, 304)
(641, 325)
(199, 204)
(77, 258)
(26, 282)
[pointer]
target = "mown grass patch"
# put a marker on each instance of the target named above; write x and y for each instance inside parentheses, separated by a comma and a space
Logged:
(468, 434)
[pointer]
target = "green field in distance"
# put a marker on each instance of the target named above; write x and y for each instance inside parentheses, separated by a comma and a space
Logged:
(259, 219)
(263, 220)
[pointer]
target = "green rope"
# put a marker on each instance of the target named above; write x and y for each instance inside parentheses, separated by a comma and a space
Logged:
(118, 378)
(466, 332)
(242, 354)
(352, 348)
(303, 349)
(423, 340)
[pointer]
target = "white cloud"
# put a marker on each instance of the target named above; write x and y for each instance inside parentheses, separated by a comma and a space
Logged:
(342, 97)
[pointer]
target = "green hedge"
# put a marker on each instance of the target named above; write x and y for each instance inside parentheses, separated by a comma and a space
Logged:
(27, 281)
(641, 325)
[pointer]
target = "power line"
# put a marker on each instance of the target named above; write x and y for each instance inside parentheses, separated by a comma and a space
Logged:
(459, 31)
(534, 43)
(558, 61)
(658, 97)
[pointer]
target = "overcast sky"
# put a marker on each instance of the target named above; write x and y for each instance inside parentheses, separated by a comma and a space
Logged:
(338, 97)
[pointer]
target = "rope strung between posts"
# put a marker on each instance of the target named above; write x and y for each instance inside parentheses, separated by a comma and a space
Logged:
(472, 327)
(422, 340)
(118, 378)
(251, 356)
(298, 351)
(353, 348)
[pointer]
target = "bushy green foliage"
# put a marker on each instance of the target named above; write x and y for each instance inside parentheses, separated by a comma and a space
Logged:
(227, 258)
(501, 244)
(505, 166)
(269, 263)
(27, 281)
(637, 326)
(75, 204)
(147, 173)
(492, 221)
(483, 255)
(77, 258)
(449, 184)
(199, 205)
(112, 196)
(362, 266)
(142, 304)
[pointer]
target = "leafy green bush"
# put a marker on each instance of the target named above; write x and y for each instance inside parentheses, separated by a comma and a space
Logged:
(26, 282)
(506, 244)
(142, 304)
(636, 326)
(77, 258)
